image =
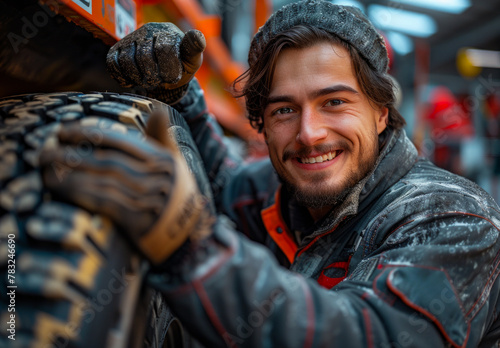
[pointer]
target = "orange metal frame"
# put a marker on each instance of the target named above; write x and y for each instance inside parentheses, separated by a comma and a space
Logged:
(105, 19)
(218, 70)
(108, 20)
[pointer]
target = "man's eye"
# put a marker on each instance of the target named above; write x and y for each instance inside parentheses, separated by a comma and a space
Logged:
(282, 111)
(334, 102)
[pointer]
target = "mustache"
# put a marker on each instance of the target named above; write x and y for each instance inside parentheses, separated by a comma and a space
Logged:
(306, 151)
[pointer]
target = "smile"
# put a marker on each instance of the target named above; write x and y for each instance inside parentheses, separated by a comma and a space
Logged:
(319, 159)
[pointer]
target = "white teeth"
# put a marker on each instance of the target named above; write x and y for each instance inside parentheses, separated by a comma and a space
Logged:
(319, 159)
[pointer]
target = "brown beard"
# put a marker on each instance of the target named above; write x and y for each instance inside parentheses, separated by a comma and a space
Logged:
(331, 197)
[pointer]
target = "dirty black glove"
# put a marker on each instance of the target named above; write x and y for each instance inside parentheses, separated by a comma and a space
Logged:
(145, 188)
(158, 57)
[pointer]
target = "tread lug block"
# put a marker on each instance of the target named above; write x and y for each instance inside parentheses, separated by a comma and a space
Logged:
(88, 98)
(106, 124)
(77, 297)
(28, 115)
(22, 194)
(37, 137)
(7, 105)
(66, 113)
(9, 166)
(70, 227)
(55, 97)
(119, 112)
(63, 276)
(24, 97)
(139, 103)
(48, 101)
(107, 95)
(35, 141)
(15, 132)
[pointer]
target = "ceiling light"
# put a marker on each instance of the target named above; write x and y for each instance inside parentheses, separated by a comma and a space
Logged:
(483, 58)
(408, 22)
(451, 6)
(401, 43)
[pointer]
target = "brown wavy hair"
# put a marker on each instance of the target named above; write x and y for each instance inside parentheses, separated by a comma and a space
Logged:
(257, 80)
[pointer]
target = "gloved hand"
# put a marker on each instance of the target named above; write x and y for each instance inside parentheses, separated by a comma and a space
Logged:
(158, 57)
(144, 188)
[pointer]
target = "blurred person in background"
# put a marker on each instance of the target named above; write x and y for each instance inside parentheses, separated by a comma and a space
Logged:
(347, 238)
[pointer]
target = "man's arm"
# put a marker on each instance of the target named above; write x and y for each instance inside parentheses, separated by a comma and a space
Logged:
(219, 160)
(162, 59)
(430, 282)
(431, 285)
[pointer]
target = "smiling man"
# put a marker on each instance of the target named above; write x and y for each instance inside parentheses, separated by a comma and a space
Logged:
(322, 133)
(356, 241)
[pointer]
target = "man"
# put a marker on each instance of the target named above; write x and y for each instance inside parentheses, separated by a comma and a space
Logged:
(375, 247)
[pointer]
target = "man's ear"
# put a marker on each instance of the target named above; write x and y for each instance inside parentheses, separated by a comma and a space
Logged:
(383, 119)
(265, 135)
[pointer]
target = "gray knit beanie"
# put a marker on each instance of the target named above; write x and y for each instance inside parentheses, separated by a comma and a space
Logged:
(347, 22)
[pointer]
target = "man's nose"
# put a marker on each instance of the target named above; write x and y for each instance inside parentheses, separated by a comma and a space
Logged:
(312, 128)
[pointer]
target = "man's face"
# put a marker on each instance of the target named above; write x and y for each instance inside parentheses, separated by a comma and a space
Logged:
(321, 130)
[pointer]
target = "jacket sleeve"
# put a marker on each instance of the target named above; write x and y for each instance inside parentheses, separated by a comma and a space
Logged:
(219, 160)
(433, 286)
(239, 189)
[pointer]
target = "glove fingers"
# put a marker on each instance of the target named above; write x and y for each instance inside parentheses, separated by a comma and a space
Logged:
(114, 68)
(146, 61)
(142, 150)
(101, 188)
(127, 64)
(192, 46)
(137, 178)
(167, 53)
(102, 195)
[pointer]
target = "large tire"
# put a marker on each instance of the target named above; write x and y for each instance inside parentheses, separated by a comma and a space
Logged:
(71, 279)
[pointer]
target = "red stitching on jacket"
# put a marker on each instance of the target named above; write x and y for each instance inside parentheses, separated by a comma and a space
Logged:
(484, 288)
(383, 296)
(434, 269)
(223, 258)
(311, 243)
(214, 135)
(201, 113)
(212, 314)
(428, 314)
(368, 328)
(310, 315)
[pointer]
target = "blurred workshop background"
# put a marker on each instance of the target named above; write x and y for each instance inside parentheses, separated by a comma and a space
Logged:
(445, 57)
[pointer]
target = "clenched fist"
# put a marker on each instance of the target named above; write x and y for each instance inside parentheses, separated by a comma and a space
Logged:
(157, 55)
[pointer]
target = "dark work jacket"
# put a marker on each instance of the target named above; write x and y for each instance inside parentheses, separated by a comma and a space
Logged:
(410, 259)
